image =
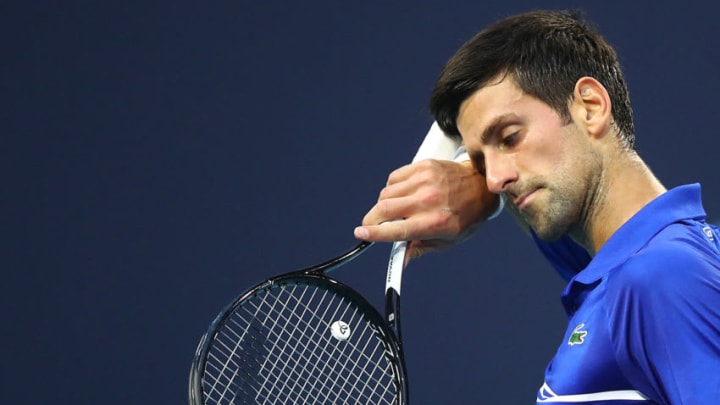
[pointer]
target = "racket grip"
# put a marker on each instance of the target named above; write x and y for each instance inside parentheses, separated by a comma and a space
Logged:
(395, 266)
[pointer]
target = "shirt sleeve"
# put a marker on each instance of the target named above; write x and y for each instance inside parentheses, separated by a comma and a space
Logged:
(567, 257)
(664, 322)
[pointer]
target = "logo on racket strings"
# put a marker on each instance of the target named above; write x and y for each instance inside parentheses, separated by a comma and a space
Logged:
(340, 330)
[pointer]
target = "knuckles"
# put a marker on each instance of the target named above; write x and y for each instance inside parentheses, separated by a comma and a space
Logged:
(443, 222)
(384, 193)
(431, 197)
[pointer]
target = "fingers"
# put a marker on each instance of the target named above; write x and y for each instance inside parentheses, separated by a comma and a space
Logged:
(411, 190)
(413, 251)
(423, 226)
(401, 174)
(389, 209)
(409, 255)
(438, 200)
(405, 181)
(412, 175)
(418, 248)
(385, 232)
(397, 189)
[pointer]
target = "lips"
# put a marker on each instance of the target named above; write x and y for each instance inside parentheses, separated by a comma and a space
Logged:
(523, 200)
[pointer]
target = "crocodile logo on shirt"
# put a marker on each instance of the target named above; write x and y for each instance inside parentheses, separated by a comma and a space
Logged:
(578, 335)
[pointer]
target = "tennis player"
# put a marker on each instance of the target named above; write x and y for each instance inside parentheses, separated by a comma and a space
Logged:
(540, 104)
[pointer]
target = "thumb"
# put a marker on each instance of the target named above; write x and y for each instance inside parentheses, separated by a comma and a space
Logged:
(414, 250)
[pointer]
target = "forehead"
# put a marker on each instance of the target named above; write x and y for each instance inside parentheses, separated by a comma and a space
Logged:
(494, 99)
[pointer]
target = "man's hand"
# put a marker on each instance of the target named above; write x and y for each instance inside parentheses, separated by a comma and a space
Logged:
(441, 202)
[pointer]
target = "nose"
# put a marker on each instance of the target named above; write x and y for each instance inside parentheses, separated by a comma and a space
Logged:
(500, 172)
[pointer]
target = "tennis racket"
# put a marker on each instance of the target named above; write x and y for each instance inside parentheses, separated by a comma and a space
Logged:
(306, 338)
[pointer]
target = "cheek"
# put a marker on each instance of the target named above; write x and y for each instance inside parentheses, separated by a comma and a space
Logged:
(549, 157)
(564, 151)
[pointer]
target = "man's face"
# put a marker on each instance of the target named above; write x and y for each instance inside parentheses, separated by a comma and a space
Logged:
(526, 151)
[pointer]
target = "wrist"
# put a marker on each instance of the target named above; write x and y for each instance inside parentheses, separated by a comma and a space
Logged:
(461, 156)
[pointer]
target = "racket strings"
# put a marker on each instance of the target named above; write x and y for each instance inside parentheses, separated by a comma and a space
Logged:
(288, 378)
(322, 366)
(277, 348)
(281, 390)
(307, 373)
(224, 360)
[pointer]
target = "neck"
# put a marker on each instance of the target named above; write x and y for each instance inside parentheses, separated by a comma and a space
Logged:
(625, 186)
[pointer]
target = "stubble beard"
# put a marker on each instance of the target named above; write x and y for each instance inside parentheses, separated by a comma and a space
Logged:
(554, 217)
(568, 203)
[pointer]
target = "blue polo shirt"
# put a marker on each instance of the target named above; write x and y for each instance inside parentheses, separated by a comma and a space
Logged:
(644, 313)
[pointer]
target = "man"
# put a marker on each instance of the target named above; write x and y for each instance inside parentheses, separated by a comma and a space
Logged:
(540, 104)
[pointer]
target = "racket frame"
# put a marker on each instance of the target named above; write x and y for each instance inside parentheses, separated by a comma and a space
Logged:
(436, 145)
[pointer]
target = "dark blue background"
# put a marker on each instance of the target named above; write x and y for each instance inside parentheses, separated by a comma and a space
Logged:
(156, 159)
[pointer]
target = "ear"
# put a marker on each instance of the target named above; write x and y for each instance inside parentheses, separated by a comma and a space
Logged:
(591, 106)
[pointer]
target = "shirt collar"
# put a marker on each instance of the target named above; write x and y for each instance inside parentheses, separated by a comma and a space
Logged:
(679, 203)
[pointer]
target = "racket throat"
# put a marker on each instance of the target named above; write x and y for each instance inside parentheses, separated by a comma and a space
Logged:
(392, 313)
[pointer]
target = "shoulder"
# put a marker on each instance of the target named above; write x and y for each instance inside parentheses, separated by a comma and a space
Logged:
(663, 310)
(677, 263)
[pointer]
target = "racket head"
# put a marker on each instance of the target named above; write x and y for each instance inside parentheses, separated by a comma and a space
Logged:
(302, 337)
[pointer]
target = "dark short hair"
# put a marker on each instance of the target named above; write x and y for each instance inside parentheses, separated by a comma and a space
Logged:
(545, 52)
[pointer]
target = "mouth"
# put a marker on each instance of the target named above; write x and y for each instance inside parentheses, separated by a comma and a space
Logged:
(523, 200)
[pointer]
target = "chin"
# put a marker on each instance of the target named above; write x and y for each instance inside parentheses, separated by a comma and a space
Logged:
(548, 236)
(547, 232)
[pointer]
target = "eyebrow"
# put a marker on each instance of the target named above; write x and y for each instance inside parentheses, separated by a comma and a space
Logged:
(495, 126)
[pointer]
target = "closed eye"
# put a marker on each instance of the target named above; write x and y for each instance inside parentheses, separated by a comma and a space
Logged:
(511, 140)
